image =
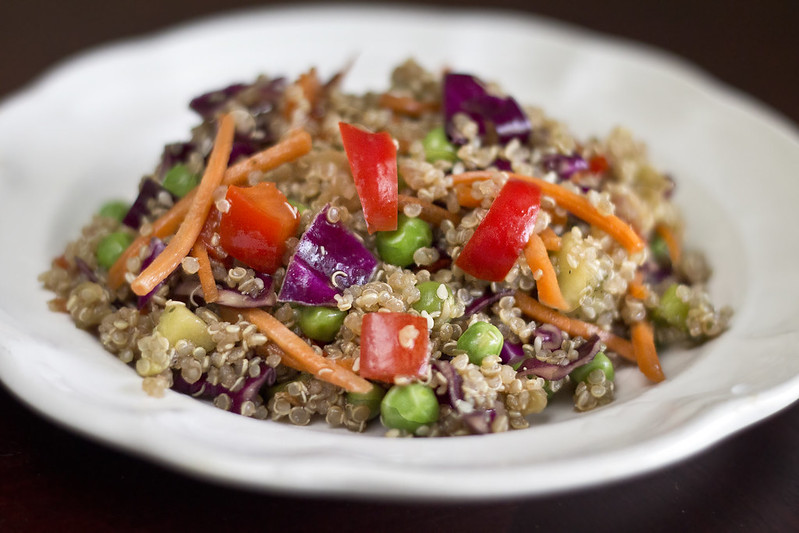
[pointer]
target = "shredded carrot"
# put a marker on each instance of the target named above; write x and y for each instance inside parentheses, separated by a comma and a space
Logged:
(207, 281)
(61, 262)
(541, 313)
(298, 353)
(548, 289)
(430, 212)
(551, 239)
(465, 196)
(576, 204)
(672, 242)
(295, 145)
(183, 240)
(58, 305)
(636, 288)
(643, 340)
(311, 88)
(559, 216)
(406, 105)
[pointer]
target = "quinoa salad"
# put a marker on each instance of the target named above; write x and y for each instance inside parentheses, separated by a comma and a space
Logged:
(437, 258)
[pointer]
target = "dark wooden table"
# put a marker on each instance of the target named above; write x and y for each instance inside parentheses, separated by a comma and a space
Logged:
(53, 480)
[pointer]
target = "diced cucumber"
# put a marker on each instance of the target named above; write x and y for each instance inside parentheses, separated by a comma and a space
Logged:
(578, 280)
(177, 322)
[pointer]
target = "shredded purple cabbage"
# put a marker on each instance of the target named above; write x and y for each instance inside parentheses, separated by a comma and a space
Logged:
(149, 189)
(502, 164)
(156, 247)
(86, 270)
(191, 290)
(494, 115)
(565, 165)
(551, 336)
(202, 388)
(512, 353)
(454, 382)
(206, 105)
(328, 259)
(483, 302)
(585, 354)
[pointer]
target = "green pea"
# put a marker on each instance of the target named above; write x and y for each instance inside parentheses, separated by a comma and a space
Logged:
(432, 296)
(116, 209)
(111, 247)
(371, 399)
(672, 310)
(480, 340)
(599, 361)
(437, 146)
(321, 323)
(659, 249)
(397, 247)
(409, 407)
(180, 180)
(299, 206)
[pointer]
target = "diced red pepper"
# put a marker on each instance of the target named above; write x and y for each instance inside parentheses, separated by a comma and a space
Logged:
(503, 233)
(256, 226)
(373, 161)
(210, 228)
(598, 164)
(393, 345)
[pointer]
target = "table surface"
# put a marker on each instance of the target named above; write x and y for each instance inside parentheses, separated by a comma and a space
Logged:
(53, 479)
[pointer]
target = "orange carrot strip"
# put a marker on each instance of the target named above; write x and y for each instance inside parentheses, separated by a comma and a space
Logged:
(465, 196)
(551, 239)
(430, 212)
(183, 241)
(207, 281)
(548, 289)
(537, 311)
(311, 88)
(576, 204)
(646, 354)
(405, 105)
(299, 352)
(636, 288)
(295, 145)
(672, 242)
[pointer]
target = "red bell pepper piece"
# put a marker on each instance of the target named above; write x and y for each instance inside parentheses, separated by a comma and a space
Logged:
(373, 161)
(503, 233)
(256, 226)
(393, 345)
(598, 164)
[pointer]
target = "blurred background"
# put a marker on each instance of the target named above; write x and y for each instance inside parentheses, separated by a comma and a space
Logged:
(51, 479)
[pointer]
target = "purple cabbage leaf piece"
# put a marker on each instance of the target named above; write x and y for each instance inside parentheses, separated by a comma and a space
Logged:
(585, 354)
(485, 301)
(454, 382)
(565, 165)
(149, 189)
(156, 247)
(202, 388)
(207, 104)
(328, 259)
(494, 115)
(266, 297)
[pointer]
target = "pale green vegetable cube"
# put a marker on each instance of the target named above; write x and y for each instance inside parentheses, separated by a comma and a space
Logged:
(178, 322)
(575, 281)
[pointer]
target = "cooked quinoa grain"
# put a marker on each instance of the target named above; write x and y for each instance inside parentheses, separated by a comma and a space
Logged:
(218, 349)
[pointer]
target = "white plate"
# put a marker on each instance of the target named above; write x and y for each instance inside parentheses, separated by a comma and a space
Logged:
(91, 128)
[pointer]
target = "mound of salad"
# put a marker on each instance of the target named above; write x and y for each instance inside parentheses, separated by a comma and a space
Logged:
(437, 258)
